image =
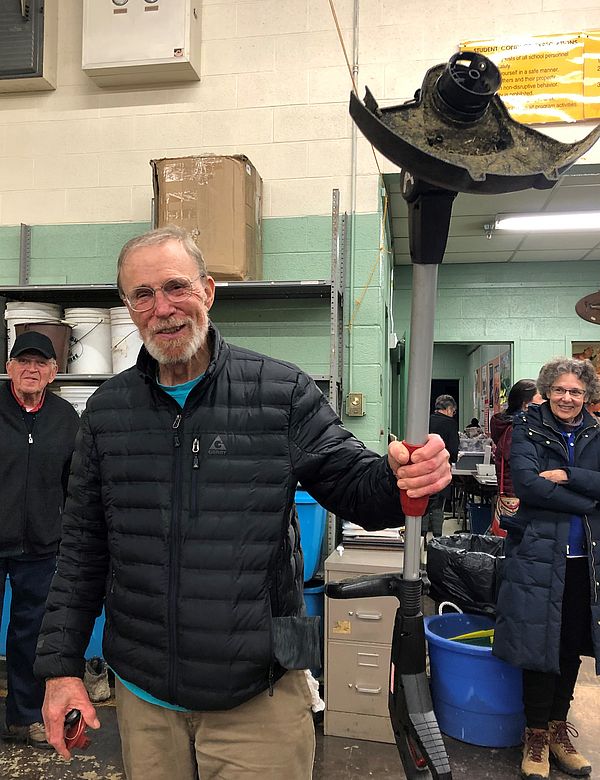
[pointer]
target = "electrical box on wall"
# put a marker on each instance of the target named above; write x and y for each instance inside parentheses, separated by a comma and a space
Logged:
(129, 42)
(28, 45)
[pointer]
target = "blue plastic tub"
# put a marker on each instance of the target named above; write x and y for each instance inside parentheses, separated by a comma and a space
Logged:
(477, 698)
(312, 519)
(314, 598)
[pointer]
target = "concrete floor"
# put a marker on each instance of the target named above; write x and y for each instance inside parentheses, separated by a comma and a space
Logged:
(336, 758)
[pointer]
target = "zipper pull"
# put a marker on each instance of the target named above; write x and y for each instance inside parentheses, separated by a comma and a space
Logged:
(195, 450)
(176, 422)
(271, 675)
(30, 439)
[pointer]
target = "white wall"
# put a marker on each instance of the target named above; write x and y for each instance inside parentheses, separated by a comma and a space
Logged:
(274, 86)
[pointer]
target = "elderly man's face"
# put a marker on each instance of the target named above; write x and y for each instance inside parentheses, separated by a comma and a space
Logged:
(31, 372)
(172, 332)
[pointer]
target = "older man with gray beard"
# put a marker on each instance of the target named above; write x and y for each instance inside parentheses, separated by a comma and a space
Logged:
(181, 521)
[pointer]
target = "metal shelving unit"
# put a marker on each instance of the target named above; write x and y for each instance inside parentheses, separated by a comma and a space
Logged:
(107, 296)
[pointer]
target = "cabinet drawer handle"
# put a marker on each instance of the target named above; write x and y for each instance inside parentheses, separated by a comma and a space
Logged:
(360, 689)
(369, 615)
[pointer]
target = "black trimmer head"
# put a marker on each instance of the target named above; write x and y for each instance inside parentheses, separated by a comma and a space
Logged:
(457, 134)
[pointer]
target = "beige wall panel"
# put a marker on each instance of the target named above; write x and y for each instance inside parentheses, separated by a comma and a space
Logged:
(246, 126)
(279, 161)
(166, 131)
(309, 123)
(41, 207)
(99, 204)
(312, 50)
(333, 85)
(279, 88)
(66, 170)
(294, 197)
(329, 158)
(240, 55)
(218, 21)
(320, 16)
(141, 204)
(272, 17)
(16, 172)
(130, 167)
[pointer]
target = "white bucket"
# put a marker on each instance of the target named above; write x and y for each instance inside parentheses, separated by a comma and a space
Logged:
(125, 338)
(90, 345)
(19, 312)
(77, 395)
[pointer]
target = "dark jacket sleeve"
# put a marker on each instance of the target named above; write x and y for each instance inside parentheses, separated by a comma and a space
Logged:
(83, 557)
(447, 428)
(336, 468)
(584, 481)
(535, 490)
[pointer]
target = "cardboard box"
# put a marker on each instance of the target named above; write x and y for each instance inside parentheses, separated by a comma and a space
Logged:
(218, 199)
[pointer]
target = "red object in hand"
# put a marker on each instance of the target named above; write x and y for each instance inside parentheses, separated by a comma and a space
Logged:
(413, 507)
(75, 726)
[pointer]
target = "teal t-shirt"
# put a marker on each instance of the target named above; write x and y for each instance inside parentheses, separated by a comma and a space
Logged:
(180, 394)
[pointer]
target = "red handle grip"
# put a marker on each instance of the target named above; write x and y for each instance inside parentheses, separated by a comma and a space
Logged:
(413, 507)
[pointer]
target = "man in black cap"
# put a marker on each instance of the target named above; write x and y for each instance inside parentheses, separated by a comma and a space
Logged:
(37, 430)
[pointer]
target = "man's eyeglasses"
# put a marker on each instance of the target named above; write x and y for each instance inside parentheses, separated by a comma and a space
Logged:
(174, 290)
(574, 392)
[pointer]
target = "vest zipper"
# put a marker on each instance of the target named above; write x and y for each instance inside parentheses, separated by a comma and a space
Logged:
(174, 563)
(195, 469)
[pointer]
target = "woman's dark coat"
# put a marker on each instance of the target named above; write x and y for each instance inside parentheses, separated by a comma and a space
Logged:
(532, 583)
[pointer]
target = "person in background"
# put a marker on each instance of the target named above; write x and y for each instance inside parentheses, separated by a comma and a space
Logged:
(522, 393)
(548, 612)
(593, 407)
(443, 422)
(180, 519)
(37, 430)
(473, 428)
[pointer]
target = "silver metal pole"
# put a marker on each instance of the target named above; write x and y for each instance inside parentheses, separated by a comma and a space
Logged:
(422, 318)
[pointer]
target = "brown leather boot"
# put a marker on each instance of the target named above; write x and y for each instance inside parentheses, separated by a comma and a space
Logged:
(563, 751)
(535, 764)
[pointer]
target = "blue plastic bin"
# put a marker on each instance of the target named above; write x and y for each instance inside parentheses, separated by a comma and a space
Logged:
(314, 598)
(94, 648)
(477, 698)
(312, 519)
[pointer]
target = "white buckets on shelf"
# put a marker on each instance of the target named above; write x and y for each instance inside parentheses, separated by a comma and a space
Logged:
(77, 395)
(125, 339)
(21, 312)
(90, 349)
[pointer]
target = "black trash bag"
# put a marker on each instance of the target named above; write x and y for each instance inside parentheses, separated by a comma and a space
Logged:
(463, 569)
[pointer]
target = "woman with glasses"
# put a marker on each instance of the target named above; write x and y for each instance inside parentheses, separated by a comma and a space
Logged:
(548, 612)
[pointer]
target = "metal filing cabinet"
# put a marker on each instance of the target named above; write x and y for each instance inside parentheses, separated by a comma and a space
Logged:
(357, 649)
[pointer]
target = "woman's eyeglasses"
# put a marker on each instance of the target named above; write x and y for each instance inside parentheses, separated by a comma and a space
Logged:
(574, 392)
(174, 290)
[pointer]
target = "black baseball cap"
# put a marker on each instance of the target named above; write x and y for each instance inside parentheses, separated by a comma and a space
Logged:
(32, 341)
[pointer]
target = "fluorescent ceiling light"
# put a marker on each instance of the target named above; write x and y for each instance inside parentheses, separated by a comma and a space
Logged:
(574, 220)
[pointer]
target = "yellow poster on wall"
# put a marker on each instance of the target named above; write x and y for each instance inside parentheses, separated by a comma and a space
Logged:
(591, 75)
(542, 76)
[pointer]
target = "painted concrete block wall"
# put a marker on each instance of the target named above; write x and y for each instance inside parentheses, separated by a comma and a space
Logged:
(274, 86)
(530, 305)
(293, 330)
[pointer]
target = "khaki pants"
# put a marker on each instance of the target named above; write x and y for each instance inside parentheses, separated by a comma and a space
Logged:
(270, 737)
